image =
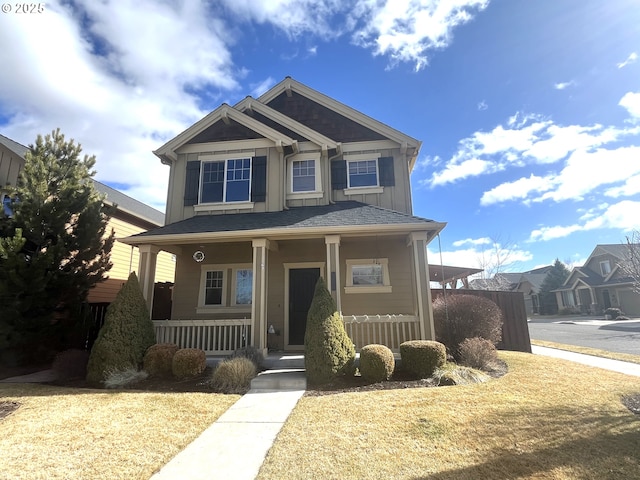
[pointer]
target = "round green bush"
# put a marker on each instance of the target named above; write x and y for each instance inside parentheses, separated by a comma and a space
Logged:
(328, 350)
(158, 359)
(458, 317)
(188, 362)
(376, 363)
(233, 375)
(422, 357)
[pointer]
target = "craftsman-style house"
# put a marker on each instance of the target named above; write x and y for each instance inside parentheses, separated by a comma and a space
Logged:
(268, 195)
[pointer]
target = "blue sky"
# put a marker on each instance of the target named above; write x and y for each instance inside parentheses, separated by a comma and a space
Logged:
(529, 111)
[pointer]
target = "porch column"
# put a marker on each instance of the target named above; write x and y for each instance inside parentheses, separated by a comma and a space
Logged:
(333, 267)
(147, 271)
(418, 241)
(259, 295)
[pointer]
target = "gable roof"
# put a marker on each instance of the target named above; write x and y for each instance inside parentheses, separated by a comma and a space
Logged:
(339, 217)
(285, 130)
(15, 147)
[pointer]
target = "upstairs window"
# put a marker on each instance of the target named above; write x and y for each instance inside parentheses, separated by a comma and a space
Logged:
(362, 173)
(228, 181)
(605, 267)
(303, 176)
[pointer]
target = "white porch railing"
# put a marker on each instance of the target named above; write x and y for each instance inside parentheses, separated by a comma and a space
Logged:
(389, 330)
(215, 337)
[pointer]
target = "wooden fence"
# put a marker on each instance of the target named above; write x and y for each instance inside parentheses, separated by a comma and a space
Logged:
(215, 337)
(389, 330)
(515, 330)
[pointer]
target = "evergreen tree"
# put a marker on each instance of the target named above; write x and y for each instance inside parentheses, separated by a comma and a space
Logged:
(53, 248)
(555, 279)
(126, 335)
(328, 350)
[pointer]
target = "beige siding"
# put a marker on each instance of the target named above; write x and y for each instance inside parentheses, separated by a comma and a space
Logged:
(125, 260)
(10, 165)
(629, 302)
(402, 299)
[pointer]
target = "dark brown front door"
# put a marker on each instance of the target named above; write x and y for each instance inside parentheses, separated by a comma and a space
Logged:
(302, 283)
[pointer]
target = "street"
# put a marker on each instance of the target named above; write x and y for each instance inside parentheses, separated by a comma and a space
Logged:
(614, 336)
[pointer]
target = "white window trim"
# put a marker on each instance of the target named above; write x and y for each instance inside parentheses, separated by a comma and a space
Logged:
(224, 307)
(224, 205)
(360, 157)
(209, 207)
(317, 192)
(384, 288)
(608, 263)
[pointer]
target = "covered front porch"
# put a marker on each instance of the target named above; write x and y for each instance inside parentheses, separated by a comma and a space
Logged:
(235, 292)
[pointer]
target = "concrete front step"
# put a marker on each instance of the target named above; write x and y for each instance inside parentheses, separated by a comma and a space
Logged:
(284, 379)
(283, 361)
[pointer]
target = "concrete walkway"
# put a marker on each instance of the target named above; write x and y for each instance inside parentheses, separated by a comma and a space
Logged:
(235, 446)
(606, 363)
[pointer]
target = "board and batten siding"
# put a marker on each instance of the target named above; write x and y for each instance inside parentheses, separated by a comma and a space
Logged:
(125, 260)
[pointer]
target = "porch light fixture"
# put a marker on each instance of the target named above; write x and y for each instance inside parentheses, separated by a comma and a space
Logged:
(198, 256)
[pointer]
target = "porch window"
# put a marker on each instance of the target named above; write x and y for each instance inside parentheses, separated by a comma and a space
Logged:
(362, 173)
(243, 286)
(213, 287)
(605, 267)
(368, 276)
(225, 288)
(226, 181)
(568, 298)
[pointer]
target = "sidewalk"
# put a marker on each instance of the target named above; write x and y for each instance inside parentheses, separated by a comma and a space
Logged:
(615, 365)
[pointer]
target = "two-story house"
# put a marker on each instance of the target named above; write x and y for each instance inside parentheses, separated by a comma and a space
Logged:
(268, 195)
(600, 284)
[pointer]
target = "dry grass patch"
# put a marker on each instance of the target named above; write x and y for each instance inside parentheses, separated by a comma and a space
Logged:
(62, 433)
(547, 418)
(596, 352)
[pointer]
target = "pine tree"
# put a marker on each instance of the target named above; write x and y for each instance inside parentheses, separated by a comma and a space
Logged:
(126, 335)
(555, 279)
(54, 246)
(328, 350)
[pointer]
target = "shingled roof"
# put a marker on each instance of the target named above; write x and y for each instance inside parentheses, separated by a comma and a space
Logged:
(339, 214)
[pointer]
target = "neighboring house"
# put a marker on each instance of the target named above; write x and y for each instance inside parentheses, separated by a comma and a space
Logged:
(128, 217)
(600, 284)
(268, 195)
(528, 283)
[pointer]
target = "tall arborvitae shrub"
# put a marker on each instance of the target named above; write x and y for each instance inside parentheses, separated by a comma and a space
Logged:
(328, 350)
(126, 335)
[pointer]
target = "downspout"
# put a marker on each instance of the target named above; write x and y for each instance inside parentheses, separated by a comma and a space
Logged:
(328, 170)
(285, 158)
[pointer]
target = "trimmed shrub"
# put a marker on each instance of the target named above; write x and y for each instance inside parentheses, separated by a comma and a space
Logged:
(477, 353)
(233, 375)
(452, 374)
(70, 364)
(466, 316)
(613, 313)
(126, 335)
(328, 350)
(422, 357)
(376, 363)
(251, 353)
(124, 378)
(188, 362)
(157, 362)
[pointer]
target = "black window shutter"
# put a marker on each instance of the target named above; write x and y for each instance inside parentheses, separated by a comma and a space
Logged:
(192, 183)
(259, 179)
(338, 174)
(385, 167)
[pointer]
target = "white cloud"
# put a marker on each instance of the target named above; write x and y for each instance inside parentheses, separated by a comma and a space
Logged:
(631, 101)
(116, 89)
(481, 257)
(564, 85)
(630, 187)
(258, 89)
(633, 56)
(469, 168)
(622, 216)
(516, 190)
(482, 105)
(472, 241)
(407, 29)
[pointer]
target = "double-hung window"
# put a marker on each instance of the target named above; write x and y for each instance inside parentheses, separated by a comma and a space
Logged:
(303, 176)
(227, 287)
(362, 173)
(226, 181)
(605, 267)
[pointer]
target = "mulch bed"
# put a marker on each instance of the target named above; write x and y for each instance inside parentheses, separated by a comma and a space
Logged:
(632, 402)
(7, 408)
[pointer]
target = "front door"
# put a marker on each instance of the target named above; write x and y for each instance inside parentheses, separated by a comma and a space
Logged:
(606, 299)
(302, 283)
